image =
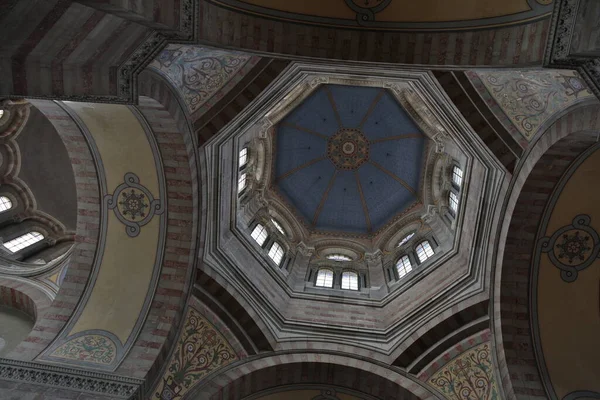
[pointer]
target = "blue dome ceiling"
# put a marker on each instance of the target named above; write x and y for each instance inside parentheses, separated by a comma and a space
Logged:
(349, 159)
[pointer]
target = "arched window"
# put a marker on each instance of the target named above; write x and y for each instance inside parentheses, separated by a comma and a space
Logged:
(5, 203)
(276, 253)
(241, 182)
(259, 234)
(243, 159)
(453, 201)
(457, 176)
(350, 280)
(405, 239)
(338, 257)
(403, 266)
(278, 226)
(424, 250)
(324, 278)
(23, 241)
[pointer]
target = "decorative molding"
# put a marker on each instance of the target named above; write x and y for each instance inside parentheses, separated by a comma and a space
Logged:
(72, 379)
(558, 49)
(188, 15)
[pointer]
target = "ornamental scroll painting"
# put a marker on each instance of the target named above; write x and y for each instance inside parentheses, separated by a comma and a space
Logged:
(94, 349)
(200, 350)
(572, 248)
(470, 376)
(133, 204)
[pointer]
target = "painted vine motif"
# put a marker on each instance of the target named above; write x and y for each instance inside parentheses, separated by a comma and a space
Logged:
(96, 349)
(199, 72)
(530, 98)
(200, 351)
(470, 376)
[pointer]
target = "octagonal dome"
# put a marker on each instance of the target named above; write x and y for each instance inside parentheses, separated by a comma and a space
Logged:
(349, 159)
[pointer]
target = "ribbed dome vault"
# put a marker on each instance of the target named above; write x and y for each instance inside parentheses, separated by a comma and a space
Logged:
(349, 159)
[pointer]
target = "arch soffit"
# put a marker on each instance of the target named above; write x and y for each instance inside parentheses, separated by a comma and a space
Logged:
(569, 134)
(237, 373)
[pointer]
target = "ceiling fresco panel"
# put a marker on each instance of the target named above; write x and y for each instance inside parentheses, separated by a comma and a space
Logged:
(348, 151)
(528, 99)
(202, 74)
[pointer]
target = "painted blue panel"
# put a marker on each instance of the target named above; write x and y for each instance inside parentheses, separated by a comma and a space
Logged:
(388, 119)
(296, 148)
(315, 113)
(305, 188)
(343, 208)
(385, 197)
(404, 158)
(353, 103)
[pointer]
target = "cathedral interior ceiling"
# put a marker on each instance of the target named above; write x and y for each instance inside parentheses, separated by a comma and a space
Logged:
(226, 251)
(130, 313)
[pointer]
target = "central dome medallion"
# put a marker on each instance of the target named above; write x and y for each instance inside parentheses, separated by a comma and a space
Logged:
(348, 149)
(348, 159)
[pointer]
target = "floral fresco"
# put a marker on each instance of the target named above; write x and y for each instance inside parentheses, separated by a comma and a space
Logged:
(200, 350)
(529, 98)
(95, 348)
(469, 376)
(202, 75)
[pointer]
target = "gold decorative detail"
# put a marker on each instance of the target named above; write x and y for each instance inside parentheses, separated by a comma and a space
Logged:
(201, 349)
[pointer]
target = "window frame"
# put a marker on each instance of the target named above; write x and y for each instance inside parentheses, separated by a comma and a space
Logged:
(318, 274)
(245, 157)
(278, 252)
(338, 257)
(457, 171)
(453, 202)
(407, 238)
(242, 182)
(278, 226)
(3, 203)
(350, 286)
(401, 263)
(423, 245)
(263, 229)
(27, 241)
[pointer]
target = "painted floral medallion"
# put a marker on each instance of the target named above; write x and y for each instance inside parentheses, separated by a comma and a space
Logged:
(348, 149)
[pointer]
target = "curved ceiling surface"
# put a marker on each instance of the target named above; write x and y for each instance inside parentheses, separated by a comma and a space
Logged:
(348, 159)
(398, 14)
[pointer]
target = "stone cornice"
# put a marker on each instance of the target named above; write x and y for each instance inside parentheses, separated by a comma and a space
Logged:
(71, 379)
